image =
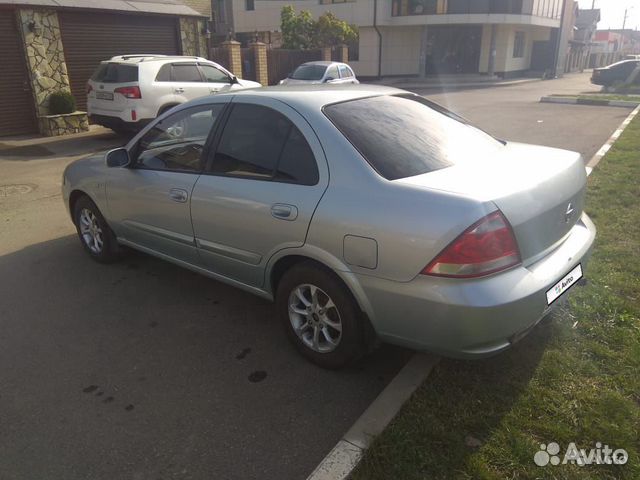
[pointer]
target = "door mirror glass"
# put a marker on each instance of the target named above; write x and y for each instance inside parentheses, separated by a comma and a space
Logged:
(118, 158)
(329, 79)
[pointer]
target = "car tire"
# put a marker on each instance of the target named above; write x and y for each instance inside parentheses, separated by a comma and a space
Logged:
(95, 235)
(329, 331)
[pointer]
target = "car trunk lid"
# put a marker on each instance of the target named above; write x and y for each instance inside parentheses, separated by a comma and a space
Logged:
(540, 191)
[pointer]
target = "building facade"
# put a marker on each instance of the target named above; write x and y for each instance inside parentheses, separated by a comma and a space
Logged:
(48, 47)
(428, 37)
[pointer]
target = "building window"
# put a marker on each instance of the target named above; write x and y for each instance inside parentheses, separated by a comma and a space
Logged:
(249, 5)
(518, 45)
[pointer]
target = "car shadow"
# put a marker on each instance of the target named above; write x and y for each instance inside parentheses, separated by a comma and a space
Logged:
(107, 360)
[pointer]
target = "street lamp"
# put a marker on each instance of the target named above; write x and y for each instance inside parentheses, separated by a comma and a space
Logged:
(624, 24)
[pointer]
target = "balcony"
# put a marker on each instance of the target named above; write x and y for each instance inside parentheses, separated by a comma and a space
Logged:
(540, 8)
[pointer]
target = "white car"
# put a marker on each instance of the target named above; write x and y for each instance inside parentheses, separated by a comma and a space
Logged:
(311, 73)
(128, 91)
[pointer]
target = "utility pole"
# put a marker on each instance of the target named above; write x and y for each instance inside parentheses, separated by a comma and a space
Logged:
(593, 5)
(624, 24)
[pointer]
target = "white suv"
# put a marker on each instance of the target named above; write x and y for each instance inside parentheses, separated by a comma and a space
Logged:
(128, 91)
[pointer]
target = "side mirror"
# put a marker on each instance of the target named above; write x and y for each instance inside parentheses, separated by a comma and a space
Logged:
(329, 79)
(118, 158)
(233, 79)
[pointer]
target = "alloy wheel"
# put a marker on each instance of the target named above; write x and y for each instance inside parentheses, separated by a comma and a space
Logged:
(315, 318)
(91, 232)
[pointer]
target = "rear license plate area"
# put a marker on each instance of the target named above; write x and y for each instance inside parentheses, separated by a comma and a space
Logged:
(564, 285)
(104, 95)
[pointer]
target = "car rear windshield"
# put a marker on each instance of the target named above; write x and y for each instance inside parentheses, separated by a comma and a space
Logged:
(309, 72)
(405, 135)
(115, 73)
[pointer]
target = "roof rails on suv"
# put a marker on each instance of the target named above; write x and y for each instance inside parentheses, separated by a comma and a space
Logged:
(141, 57)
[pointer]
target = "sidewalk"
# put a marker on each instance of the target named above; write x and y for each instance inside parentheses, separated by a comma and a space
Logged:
(36, 147)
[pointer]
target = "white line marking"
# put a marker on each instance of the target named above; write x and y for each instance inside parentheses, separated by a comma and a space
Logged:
(348, 452)
(607, 146)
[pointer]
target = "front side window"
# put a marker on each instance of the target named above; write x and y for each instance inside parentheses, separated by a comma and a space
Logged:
(405, 135)
(186, 73)
(260, 143)
(176, 143)
(345, 72)
(213, 75)
(332, 73)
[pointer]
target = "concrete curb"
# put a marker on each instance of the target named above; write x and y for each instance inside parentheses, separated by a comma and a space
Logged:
(583, 101)
(458, 86)
(347, 453)
(607, 146)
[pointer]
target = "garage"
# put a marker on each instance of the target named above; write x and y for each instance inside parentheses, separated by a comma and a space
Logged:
(17, 115)
(90, 38)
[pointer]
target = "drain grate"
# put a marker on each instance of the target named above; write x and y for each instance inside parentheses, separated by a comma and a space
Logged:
(18, 189)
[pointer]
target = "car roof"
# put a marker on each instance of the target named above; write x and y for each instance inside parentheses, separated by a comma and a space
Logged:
(310, 97)
(323, 63)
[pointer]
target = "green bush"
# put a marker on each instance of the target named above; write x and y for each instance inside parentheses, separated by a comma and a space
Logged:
(61, 103)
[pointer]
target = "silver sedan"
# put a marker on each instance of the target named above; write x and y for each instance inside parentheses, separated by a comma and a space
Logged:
(364, 212)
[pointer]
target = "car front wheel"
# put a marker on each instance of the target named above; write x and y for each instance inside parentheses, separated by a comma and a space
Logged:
(320, 316)
(95, 235)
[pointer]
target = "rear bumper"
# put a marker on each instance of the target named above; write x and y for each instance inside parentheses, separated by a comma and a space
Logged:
(478, 317)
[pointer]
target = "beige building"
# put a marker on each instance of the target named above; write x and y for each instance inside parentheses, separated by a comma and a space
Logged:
(423, 37)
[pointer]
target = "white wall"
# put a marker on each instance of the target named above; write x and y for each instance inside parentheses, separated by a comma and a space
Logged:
(401, 50)
(505, 40)
(367, 65)
(266, 15)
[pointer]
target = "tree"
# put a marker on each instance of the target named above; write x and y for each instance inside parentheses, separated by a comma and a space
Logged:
(301, 32)
(297, 29)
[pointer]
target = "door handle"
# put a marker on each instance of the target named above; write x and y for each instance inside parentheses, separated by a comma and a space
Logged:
(282, 211)
(178, 195)
(213, 90)
(179, 90)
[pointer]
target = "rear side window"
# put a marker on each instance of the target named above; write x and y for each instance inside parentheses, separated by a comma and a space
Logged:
(405, 135)
(260, 143)
(185, 73)
(115, 73)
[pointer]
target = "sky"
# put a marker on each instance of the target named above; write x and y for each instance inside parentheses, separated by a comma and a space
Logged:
(612, 12)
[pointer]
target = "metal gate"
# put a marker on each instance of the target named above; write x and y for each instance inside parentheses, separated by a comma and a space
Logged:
(17, 114)
(90, 38)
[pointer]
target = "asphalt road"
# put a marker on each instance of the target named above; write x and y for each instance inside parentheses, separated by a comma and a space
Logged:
(141, 370)
(515, 113)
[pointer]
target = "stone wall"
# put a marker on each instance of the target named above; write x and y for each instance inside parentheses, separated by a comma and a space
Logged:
(55, 125)
(45, 55)
(193, 41)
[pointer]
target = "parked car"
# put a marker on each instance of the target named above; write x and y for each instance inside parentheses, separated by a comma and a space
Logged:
(315, 73)
(615, 73)
(363, 212)
(128, 91)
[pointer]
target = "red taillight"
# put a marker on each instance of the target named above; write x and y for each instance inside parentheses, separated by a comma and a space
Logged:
(488, 246)
(89, 88)
(129, 92)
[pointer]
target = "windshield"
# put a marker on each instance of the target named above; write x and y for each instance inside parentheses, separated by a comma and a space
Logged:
(309, 72)
(405, 135)
(115, 73)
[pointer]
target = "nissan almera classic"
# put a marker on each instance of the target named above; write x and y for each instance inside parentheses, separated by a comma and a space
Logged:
(364, 212)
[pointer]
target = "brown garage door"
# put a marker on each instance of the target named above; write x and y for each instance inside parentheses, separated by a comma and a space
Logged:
(16, 103)
(89, 38)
